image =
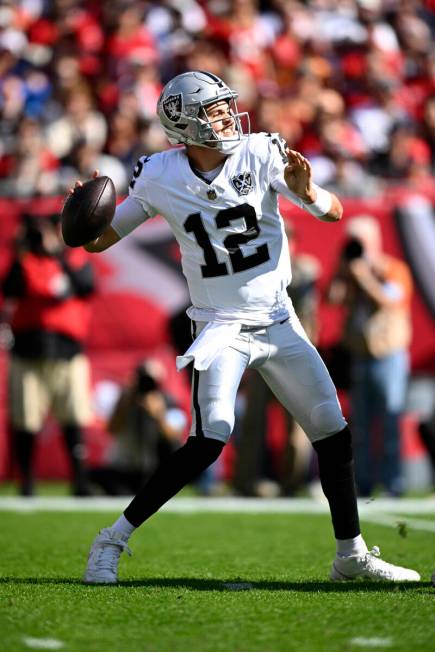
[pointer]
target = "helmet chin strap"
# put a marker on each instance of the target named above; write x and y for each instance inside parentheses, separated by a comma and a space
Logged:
(228, 146)
(222, 144)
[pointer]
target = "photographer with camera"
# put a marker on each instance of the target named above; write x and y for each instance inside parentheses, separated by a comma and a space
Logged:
(49, 288)
(375, 289)
(146, 426)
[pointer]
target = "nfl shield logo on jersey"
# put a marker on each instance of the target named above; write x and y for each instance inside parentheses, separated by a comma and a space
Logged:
(243, 183)
(172, 107)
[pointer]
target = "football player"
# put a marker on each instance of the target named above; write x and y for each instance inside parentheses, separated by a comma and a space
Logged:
(219, 194)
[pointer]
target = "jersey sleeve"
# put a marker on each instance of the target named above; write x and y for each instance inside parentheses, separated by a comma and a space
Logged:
(137, 207)
(277, 163)
(128, 215)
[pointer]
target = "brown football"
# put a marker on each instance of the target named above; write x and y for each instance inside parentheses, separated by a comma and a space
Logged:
(88, 211)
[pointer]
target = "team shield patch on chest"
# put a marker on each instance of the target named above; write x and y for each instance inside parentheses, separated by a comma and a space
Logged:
(172, 107)
(243, 183)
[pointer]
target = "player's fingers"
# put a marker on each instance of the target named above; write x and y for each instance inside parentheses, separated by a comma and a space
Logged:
(298, 155)
(95, 174)
(294, 153)
(297, 158)
(290, 153)
(300, 158)
(306, 165)
(78, 184)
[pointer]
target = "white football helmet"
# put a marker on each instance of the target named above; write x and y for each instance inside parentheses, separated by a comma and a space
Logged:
(181, 111)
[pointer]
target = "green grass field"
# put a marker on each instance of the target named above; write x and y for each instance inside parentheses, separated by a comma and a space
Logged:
(174, 593)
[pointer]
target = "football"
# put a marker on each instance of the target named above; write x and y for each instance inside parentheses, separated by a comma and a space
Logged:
(88, 211)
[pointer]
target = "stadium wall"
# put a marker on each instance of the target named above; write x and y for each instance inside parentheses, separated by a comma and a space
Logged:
(140, 286)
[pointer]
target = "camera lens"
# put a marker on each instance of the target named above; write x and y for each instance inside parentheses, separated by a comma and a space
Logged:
(353, 249)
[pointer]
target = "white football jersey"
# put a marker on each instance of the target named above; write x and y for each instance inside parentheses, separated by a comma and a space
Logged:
(234, 250)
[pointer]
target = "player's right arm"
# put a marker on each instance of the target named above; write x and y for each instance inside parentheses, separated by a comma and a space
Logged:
(129, 214)
(108, 238)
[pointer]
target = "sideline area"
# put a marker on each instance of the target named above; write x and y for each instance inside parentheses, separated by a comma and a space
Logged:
(228, 504)
(393, 513)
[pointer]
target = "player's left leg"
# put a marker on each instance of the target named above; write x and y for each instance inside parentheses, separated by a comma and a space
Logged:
(298, 377)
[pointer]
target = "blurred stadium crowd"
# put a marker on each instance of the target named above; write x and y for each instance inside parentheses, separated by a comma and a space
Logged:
(350, 83)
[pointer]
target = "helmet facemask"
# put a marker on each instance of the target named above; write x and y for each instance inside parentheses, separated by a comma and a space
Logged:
(213, 140)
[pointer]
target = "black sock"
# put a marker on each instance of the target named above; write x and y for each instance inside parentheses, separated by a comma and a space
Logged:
(177, 470)
(24, 442)
(337, 477)
(73, 440)
(427, 434)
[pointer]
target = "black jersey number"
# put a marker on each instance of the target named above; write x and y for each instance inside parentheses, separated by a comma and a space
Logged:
(138, 169)
(239, 262)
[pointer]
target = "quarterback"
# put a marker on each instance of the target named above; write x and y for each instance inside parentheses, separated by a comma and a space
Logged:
(219, 194)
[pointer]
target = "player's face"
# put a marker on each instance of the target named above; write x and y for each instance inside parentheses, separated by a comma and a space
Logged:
(221, 119)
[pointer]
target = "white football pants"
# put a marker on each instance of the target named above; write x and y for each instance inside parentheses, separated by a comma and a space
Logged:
(289, 364)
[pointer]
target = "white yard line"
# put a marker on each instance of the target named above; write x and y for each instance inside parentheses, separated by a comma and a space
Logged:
(397, 520)
(43, 643)
(362, 641)
(230, 504)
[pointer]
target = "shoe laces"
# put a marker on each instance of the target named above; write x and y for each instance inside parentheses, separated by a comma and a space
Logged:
(372, 562)
(108, 553)
(375, 552)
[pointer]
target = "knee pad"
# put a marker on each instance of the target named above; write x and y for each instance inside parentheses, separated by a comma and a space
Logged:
(218, 420)
(327, 417)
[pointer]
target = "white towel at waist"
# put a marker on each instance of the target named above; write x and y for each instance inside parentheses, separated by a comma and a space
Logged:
(213, 339)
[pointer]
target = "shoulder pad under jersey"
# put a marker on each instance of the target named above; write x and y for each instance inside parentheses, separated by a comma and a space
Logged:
(153, 166)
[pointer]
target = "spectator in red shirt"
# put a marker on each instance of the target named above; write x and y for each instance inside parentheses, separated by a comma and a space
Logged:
(49, 287)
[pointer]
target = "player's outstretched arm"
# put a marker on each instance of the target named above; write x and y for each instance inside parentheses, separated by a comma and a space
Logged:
(298, 177)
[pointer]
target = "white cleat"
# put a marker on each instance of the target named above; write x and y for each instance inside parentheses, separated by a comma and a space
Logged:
(369, 566)
(103, 560)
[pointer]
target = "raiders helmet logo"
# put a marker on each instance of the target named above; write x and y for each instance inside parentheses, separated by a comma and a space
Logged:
(172, 107)
(243, 183)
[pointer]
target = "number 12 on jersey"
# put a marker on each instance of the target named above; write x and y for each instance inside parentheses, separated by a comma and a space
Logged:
(239, 262)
